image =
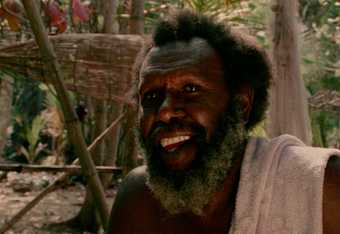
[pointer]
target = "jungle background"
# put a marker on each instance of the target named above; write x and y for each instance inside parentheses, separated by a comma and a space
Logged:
(100, 39)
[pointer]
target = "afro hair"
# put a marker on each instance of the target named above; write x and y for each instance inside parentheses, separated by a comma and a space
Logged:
(244, 62)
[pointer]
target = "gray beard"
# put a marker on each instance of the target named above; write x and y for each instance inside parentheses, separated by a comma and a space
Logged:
(199, 184)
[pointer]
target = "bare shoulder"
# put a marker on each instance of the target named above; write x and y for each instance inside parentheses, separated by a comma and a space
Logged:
(331, 197)
(130, 195)
(133, 183)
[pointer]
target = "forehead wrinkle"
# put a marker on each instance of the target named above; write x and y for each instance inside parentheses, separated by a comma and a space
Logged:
(175, 56)
(172, 79)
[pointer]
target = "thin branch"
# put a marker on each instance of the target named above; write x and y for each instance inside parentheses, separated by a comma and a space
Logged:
(105, 132)
(8, 11)
(156, 9)
(123, 100)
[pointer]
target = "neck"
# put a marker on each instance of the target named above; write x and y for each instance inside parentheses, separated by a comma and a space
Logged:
(222, 203)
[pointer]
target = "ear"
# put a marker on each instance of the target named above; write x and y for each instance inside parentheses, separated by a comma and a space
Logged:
(246, 97)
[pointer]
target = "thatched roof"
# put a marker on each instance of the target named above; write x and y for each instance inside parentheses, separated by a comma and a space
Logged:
(327, 100)
(97, 65)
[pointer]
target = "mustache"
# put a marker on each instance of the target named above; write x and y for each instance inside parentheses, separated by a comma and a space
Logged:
(197, 129)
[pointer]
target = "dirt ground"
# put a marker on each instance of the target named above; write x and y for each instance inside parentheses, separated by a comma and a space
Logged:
(16, 190)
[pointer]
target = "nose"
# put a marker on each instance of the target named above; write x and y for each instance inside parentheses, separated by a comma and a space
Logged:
(170, 109)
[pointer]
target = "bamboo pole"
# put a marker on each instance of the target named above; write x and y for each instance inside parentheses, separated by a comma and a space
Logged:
(57, 183)
(130, 155)
(72, 122)
(87, 216)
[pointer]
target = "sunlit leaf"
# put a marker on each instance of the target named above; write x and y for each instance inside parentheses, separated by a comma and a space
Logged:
(13, 23)
(24, 151)
(37, 126)
(11, 10)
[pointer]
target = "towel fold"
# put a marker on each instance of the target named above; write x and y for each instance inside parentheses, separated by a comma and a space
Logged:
(281, 187)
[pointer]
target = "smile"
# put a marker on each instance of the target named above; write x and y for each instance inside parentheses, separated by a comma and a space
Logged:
(171, 144)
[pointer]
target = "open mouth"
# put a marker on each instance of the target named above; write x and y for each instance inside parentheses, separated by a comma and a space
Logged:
(171, 144)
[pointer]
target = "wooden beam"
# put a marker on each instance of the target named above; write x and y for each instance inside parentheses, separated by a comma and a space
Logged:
(54, 168)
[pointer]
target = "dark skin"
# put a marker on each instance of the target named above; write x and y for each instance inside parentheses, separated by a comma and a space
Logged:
(194, 95)
(331, 197)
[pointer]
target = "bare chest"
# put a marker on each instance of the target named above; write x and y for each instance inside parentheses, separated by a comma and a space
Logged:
(160, 221)
(191, 224)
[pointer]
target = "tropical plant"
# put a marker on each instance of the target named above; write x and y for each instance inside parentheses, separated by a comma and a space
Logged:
(27, 104)
(32, 134)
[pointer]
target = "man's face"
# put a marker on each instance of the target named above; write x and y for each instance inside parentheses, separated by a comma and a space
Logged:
(191, 130)
(181, 110)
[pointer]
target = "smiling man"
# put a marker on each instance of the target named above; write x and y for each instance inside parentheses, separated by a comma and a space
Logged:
(202, 88)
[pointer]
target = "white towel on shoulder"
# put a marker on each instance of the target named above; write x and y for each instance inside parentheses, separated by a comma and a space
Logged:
(281, 187)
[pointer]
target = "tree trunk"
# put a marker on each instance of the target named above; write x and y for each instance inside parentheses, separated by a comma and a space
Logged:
(123, 21)
(110, 23)
(288, 112)
(111, 141)
(128, 148)
(128, 153)
(87, 218)
(114, 109)
(5, 108)
(137, 17)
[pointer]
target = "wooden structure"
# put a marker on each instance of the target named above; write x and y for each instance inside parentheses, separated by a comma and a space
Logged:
(96, 65)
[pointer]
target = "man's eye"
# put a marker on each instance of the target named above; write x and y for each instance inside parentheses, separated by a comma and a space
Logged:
(191, 88)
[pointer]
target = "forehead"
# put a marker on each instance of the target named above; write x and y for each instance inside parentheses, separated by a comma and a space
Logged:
(195, 58)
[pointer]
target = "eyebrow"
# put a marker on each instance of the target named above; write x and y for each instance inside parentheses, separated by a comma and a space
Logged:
(192, 71)
(190, 76)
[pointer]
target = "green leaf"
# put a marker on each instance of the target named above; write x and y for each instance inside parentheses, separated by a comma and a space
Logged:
(24, 151)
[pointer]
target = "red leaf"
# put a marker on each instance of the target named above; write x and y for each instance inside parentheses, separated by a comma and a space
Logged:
(62, 27)
(56, 15)
(80, 11)
(2, 13)
(13, 5)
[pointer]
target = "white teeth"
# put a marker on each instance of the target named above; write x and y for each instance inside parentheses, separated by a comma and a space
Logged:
(170, 141)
